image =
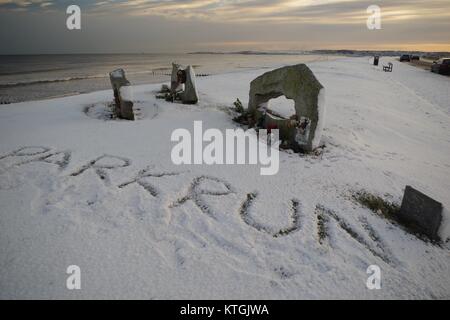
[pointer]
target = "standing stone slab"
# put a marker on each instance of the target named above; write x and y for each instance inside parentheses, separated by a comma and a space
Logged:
(421, 212)
(123, 107)
(182, 84)
(299, 84)
(190, 94)
(126, 102)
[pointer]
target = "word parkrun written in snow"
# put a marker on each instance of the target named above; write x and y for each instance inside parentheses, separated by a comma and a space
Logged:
(73, 21)
(101, 165)
(195, 193)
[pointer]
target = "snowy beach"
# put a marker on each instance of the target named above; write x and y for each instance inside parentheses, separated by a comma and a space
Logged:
(79, 189)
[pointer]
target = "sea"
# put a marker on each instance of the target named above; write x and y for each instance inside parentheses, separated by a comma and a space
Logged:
(37, 77)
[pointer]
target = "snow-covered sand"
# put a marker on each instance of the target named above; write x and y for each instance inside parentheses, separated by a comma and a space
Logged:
(137, 240)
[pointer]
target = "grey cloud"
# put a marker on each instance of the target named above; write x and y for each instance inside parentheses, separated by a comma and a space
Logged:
(110, 27)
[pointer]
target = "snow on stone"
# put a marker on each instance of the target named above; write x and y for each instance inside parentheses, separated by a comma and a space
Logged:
(126, 92)
(444, 230)
(282, 106)
(322, 117)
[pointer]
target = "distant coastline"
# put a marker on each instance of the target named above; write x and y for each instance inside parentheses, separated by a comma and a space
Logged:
(340, 52)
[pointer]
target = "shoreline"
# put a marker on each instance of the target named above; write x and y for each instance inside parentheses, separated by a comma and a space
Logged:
(158, 75)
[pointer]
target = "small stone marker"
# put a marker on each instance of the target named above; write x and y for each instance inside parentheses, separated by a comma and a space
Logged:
(421, 212)
(122, 95)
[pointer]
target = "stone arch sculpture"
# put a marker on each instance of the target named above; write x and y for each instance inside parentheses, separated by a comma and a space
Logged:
(304, 130)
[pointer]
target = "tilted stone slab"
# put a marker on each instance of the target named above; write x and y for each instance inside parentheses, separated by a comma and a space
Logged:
(421, 213)
(186, 77)
(190, 94)
(299, 84)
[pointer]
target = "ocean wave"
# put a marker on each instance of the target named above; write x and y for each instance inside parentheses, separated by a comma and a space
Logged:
(156, 72)
(15, 73)
(34, 82)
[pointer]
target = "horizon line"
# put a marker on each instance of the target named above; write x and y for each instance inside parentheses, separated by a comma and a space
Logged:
(249, 52)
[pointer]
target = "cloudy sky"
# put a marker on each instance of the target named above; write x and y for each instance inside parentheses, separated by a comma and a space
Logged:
(113, 26)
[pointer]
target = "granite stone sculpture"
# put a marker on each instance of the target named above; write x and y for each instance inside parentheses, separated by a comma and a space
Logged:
(303, 131)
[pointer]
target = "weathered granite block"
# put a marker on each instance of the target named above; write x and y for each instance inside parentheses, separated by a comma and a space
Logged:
(421, 212)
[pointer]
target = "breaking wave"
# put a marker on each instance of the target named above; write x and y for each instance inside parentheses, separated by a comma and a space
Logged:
(34, 82)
